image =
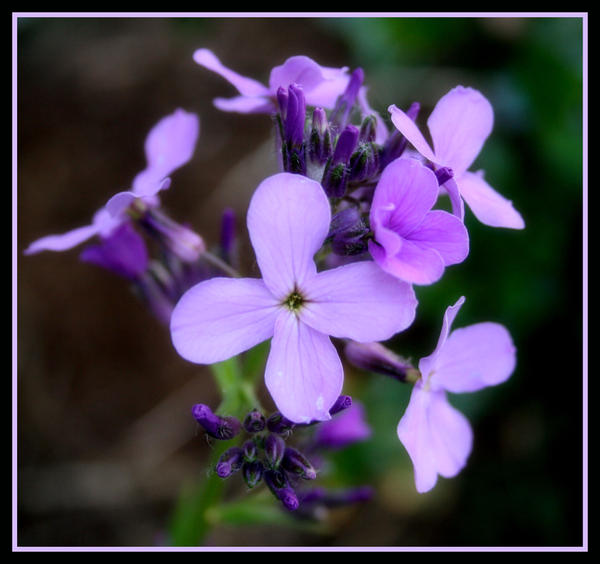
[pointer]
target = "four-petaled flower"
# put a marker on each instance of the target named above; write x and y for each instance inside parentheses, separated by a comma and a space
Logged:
(438, 438)
(459, 125)
(288, 220)
(169, 145)
(412, 241)
(321, 85)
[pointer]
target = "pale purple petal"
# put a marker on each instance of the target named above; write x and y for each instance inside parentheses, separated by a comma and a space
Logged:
(344, 429)
(437, 437)
(288, 220)
(321, 85)
(64, 241)
(405, 192)
(358, 301)
(222, 317)
(169, 145)
(405, 125)
(458, 206)
(427, 364)
(488, 205)
(245, 86)
(459, 124)
(304, 373)
(120, 202)
(474, 357)
(245, 104)
(445, 233)
(412, 263)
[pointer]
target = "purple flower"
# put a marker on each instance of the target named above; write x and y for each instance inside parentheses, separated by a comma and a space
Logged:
(459, 125)
(412, 241)
(321, 85)
(288, 221)
(169, 145)
(438, 438)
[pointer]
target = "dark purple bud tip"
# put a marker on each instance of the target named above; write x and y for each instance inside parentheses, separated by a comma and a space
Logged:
(279, 424)
(254, 422)
(252, 473)
(222, 428)
(343, 402)
(229, 462)
(444, 174)
(274, 450)
(289, 499)
(249, 451)
(297, 464)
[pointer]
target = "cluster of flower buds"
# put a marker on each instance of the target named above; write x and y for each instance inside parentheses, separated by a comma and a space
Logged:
(266, 455)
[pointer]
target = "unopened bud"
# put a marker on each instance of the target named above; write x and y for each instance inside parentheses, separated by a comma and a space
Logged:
(222, 428)
(254, 422)
(229, 462)
(297, 464)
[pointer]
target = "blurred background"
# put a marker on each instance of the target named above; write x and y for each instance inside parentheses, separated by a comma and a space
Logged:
(105, 436)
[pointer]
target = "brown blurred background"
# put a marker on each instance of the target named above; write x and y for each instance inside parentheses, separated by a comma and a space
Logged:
(105, 437)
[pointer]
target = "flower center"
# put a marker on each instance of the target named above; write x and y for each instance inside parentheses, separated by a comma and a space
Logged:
(294, 301)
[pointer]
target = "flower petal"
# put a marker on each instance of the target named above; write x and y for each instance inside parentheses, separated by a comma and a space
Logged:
(475, 357)
(304, 373)
(488, 205)
(358, 301)
(437, 437)
(288, 220)
(321, 85)
(222, 317)
(405, 192)
(445, 233)
(344, 429)
(427, 364)
(245, 86)
(169, 145)
(412, 263)
(245, 104)
(405, 125)
(64, 241)
(459, 124)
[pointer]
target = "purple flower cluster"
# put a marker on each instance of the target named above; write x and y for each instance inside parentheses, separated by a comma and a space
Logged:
(356, 191)
(121, 248)
(352, 221)
(265, 456)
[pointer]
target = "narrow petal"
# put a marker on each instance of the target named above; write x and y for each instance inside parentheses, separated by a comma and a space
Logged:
(222, 317)
(459, 124)
(427, 364)
(436, 436)
(245, 86)
(412, 263)
(475, 357)
(458, 206)
(488, 205)
(64, 241)
(360, 302)
(288, 220)
(245, 104)
(120, 202)
(304, 373)
(445, 233)
(405, 192)
(405, 125)
(321, 85)
(169, 145)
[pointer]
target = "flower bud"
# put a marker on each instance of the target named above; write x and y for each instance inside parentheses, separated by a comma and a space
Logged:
(252, 473)
(222, 428)
(374, 357)
(254, 422)
(345, 103)
(343, 402)
(274, 450)
(335, 176)
(297, 464)
(279, 486)
(229, 462)
(278, 423)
